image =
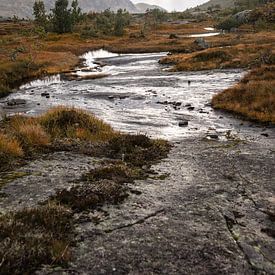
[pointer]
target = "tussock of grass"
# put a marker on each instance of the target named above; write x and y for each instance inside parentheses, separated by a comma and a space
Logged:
(101, 185)
(137, 150)
(253, 97)
(29, 132)
(33, 237)
(91, 196)
(210, 55)
(27, 135)
(63, 122)
(9, 149)
(119, 173)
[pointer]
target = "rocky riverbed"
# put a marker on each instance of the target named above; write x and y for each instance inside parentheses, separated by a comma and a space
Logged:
(209, 208)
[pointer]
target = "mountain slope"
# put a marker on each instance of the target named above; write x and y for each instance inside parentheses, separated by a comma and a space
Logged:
(222, 3)
(143, 7)
(23, 8)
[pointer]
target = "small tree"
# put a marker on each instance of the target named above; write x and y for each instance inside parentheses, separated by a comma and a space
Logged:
(62, 19)
(40, 16)
(76, 13)
(122, 19)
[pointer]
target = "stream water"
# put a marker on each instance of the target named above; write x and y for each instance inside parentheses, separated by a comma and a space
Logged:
(140, 96)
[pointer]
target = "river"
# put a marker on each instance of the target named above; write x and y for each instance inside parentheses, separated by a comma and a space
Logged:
(139, 95)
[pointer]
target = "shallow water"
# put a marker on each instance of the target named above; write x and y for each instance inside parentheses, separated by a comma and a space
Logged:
(129, 98)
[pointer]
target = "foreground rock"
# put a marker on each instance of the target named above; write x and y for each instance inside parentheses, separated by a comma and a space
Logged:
(210, 213)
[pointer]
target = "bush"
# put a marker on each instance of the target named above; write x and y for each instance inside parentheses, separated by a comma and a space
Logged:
(228, 24)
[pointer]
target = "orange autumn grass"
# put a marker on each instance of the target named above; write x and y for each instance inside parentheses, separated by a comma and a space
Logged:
(22, 135)
(253, 97)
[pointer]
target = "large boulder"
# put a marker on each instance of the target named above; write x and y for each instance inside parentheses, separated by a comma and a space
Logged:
(242, 17)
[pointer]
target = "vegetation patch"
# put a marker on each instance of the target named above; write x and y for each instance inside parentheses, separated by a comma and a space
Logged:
(10, 149)
(32, 237)
(91, 196)
(64, 122)
(137, 150)
(118, 172)
(253, 97)
(210, 55)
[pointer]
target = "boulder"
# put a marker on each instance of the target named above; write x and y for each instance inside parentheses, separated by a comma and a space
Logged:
(45, 94)
(200, 41)
(173, 36)
(242, 17)
(16, 102)
(183, 123)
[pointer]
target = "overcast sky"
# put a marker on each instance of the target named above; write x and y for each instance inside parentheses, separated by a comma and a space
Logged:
(173, 4)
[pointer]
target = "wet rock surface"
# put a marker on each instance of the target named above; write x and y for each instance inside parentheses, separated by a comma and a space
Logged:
(40, 179)
(209, 214)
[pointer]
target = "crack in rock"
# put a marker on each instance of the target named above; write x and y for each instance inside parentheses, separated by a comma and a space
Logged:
(140, 221)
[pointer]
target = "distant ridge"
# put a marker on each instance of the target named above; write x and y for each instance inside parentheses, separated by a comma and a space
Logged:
(23, 8)
(143, 7)
(222, 3)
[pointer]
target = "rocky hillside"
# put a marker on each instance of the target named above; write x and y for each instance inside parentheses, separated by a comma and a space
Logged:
(23, 8)
(221, 3)
(143, 7)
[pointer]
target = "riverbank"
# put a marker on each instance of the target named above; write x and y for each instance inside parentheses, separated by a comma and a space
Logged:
(27, 55)
(253, 97)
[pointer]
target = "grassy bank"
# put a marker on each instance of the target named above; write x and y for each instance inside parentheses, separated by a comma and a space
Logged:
(26, 54)
(44, 235)
(67, 128)
(253, 97)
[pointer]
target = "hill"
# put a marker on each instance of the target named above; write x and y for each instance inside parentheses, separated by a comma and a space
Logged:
(23, 8)
(143, 7)
(223, 4)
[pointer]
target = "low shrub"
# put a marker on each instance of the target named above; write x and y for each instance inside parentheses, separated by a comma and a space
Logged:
(137, 150)
(32, 237)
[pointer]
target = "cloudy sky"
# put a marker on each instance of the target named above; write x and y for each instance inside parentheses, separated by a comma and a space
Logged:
(173, 4)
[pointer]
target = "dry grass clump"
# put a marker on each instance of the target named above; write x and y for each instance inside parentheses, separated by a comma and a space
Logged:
(253, 97)
(64, 122)
(10, 149)
(118, 172)
(100, 186)
(137, 150)
(29, 132)
(93, 195)
(32, 237)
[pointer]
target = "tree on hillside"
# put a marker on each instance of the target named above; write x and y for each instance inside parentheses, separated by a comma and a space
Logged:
(76, 13)
(39, 13)
(122, 19)
(62, 20)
